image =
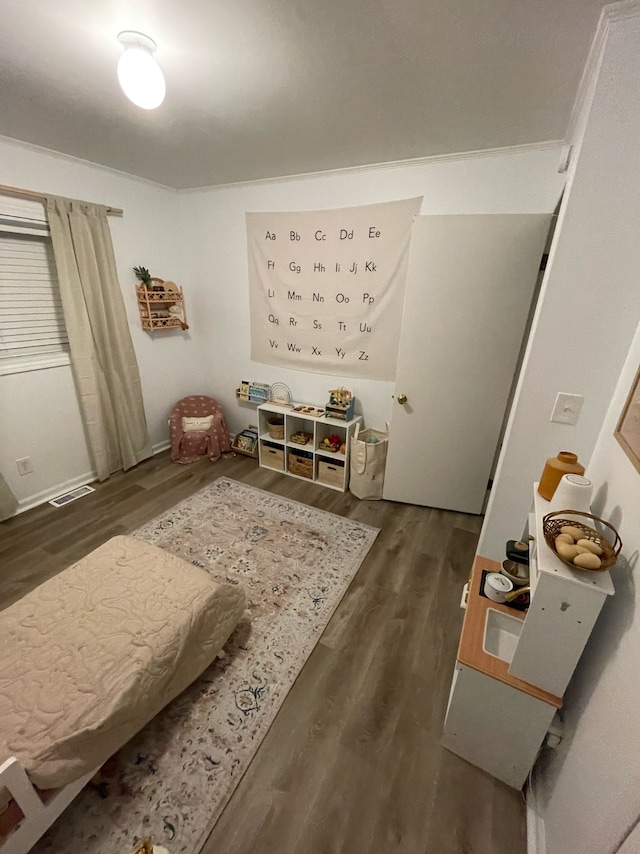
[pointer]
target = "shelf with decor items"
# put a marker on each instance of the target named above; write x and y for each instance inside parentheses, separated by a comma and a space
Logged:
(565, 604)
(252, 392)
(155, 304)
(294, 443)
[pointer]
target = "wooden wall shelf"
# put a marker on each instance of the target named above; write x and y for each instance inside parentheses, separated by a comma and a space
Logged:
(153, 306)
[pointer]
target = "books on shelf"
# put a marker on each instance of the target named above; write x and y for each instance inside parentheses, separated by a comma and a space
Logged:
(253, 392)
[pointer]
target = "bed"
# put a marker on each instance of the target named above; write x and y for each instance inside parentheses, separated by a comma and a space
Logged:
(88, 658)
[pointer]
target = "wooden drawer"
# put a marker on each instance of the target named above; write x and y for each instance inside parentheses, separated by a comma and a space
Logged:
(331, 473)
(272, 457)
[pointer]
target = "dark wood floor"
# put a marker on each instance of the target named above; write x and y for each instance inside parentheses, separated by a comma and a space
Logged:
(352, 763)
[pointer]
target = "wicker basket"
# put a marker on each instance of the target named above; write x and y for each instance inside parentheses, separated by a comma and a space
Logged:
(553, 522)
(301, 438)
(302, 466)
(275, 427)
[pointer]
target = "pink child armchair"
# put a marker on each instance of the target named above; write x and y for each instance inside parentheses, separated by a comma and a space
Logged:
(189, 445)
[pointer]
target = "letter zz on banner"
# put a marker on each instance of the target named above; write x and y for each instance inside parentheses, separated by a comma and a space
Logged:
(327, 287)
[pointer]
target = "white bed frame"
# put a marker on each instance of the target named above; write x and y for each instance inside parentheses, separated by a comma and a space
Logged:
(38, 816)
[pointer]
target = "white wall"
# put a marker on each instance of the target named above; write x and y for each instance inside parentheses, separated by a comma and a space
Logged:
(591, 788)
(39, 415)
(198, 239)
(524, 181)
(589, 307)
(586, 339)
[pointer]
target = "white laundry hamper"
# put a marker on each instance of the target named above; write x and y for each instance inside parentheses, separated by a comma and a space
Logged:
(368, 462)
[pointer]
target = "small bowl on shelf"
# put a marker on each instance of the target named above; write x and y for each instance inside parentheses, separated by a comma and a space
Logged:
(610, 544)
(517, 573)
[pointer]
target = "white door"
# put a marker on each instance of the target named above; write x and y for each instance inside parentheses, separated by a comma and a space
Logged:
(469, 288)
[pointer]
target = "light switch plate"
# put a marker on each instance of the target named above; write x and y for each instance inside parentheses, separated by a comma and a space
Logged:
(567, 408)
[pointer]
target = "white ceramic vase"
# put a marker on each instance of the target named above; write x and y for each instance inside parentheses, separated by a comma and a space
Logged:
(574, 492)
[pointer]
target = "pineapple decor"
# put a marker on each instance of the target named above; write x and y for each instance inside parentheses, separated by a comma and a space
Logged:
(150, 283)
(143, 275)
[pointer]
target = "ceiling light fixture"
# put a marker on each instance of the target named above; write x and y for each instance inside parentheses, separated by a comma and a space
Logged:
(140, 76)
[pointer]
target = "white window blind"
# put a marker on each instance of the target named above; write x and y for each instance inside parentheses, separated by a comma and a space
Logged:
(32, 330)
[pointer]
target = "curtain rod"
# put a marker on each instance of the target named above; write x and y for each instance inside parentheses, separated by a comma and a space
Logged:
(16, 191)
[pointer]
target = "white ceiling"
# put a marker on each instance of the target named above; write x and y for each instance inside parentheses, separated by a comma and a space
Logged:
(264, 88)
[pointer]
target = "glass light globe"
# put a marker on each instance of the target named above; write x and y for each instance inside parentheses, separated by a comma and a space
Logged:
(141, 78)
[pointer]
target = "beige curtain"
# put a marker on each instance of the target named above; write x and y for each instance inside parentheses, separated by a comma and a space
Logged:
(102, 356)
(8, 501)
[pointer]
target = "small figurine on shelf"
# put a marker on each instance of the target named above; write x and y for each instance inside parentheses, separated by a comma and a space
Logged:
(177, 311)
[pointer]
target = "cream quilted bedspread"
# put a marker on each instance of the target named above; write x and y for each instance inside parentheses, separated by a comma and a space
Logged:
(90, 656)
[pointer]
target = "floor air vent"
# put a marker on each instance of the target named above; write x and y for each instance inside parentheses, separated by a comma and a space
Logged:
(61, 500)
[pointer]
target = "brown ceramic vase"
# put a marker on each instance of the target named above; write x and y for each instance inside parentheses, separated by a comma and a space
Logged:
(554, 470)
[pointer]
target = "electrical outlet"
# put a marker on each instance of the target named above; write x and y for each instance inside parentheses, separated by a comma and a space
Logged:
(25, 466)
(567, 408)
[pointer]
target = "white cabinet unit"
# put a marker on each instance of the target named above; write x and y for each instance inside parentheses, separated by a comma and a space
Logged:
(310, 461)
(512, 670)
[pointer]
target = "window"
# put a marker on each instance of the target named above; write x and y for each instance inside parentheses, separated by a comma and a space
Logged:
(32, 330)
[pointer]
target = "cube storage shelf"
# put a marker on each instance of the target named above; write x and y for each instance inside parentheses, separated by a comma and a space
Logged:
(310, 461)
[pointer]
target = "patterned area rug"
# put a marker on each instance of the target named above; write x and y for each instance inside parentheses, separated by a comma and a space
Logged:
(172, 781)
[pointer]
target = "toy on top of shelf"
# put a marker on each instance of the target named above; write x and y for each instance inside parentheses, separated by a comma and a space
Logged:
(341, 404)
(280, 394)
(308, 410)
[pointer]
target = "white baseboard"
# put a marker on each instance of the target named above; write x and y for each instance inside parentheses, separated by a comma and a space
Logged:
(60, 488)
